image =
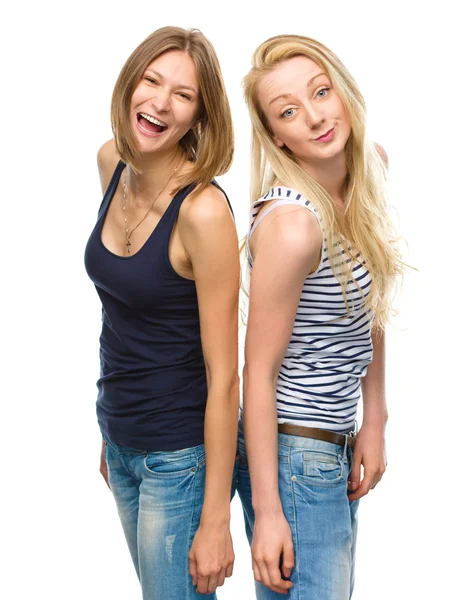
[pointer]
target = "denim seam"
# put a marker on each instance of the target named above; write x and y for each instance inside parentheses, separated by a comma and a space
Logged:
(189, 541)
(124, 466)
(295, 523)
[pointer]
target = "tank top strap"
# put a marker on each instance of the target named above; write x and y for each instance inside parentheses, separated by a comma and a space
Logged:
(172, 211)
(171, 214)
(111, 188)
(267, 211)
(217, 185)
(282, 195)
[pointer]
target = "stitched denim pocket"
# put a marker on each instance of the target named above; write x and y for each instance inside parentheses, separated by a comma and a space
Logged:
(175, 466)
(323, 468)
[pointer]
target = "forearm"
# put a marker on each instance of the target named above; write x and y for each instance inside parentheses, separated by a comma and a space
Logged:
(261, 433)
(373, 384)
(221, 429)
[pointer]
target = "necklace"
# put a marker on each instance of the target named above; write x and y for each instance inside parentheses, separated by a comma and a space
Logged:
(124, 207)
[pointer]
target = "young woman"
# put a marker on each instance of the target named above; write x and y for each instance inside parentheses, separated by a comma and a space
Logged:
(164, 258)
(323, 259)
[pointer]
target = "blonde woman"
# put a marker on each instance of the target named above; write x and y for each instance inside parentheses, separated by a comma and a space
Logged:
(163, 256)
(323, 259)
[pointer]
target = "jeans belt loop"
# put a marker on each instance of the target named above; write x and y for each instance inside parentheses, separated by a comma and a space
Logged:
(344, 456)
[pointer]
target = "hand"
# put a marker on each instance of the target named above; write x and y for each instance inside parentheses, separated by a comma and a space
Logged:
(369, 451)
(103, 465)
(211, 557)
(272, 542)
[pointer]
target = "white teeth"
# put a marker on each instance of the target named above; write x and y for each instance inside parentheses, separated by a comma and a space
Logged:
(152, 119)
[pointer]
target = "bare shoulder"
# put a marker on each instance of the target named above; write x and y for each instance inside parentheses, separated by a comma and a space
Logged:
(382, 152)
(108, 158)
(292, 231)
(208, 207)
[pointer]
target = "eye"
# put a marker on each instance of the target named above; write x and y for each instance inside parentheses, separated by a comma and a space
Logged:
(185, 96)
(288, 113)
(322, 93)
(150, 79)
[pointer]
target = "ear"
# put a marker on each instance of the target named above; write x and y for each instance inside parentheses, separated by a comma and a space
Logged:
(278, 142)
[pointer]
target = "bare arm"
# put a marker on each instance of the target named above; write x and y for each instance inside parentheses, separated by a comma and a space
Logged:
(369, 449)
(107, 161)
(284, 256)
(209, 236)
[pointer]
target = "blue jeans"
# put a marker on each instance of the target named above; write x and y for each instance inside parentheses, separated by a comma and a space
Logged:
(159, 498)
(313, 491)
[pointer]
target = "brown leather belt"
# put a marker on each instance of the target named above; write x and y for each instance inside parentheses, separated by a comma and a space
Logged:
(319, 434)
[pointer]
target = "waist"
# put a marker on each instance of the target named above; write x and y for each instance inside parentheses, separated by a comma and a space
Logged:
(315, 433)
(295, 435)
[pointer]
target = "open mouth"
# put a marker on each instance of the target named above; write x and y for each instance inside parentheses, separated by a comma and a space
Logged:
(150, 124)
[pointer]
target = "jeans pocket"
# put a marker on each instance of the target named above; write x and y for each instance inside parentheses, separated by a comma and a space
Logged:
(166, 467)
(323, 468)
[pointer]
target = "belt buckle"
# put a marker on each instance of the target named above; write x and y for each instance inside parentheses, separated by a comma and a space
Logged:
(351, 437)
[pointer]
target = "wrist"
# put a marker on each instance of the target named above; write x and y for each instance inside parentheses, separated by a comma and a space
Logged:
(272, 508)
(375, 419)
(210, 518)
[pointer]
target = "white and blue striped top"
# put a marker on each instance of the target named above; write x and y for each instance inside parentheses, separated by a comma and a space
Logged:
(329, 351)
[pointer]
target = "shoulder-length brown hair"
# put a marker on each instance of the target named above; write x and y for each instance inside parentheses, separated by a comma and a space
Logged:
(210, 144)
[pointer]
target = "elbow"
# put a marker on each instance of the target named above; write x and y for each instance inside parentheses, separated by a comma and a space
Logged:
(224, 384)
(260, 374)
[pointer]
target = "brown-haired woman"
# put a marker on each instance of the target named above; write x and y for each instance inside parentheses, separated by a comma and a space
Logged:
(164, 258)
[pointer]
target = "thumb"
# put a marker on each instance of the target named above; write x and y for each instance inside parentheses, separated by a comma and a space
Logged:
(288, 560)
(354, 477)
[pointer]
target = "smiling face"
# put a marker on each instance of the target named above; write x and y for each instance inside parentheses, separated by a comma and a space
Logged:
(166, 102)
(304, 112)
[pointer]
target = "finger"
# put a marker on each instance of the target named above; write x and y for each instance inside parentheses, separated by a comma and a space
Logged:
(378, 477)
(257, 573)
(355, 473)
(221, 578)
(265, 579)
(288, 560)
(229, 569)
(105, 474)
(275, 576)
(193, 569)
(202, 583)
(212, 582)
(364, 488)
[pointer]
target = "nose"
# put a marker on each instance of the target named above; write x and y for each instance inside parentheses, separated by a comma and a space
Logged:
(161, 100)
(314, 117)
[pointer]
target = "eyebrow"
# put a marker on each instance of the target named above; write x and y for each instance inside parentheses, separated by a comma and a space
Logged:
(181, 85)
(281, 96)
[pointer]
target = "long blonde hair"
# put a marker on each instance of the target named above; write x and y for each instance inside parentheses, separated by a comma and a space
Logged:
(211, 144)
(365, 224)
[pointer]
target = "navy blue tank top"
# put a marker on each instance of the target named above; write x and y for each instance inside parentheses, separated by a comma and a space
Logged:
(152, 390)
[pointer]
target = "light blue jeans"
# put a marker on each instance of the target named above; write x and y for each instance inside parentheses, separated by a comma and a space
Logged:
(159, 498)
(313, 491)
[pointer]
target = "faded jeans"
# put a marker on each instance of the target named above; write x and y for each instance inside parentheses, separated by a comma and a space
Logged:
(313, 491)
(159, 498)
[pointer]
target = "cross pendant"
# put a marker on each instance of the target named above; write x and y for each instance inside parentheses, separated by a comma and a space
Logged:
(128, 244)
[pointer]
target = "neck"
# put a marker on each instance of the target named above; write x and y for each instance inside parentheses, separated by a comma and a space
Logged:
(154, 172)
(331, 174)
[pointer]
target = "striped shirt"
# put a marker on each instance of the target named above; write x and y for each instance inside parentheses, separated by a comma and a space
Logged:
(329, 351)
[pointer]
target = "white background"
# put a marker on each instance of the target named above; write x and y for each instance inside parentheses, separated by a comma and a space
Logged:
(60, 531)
